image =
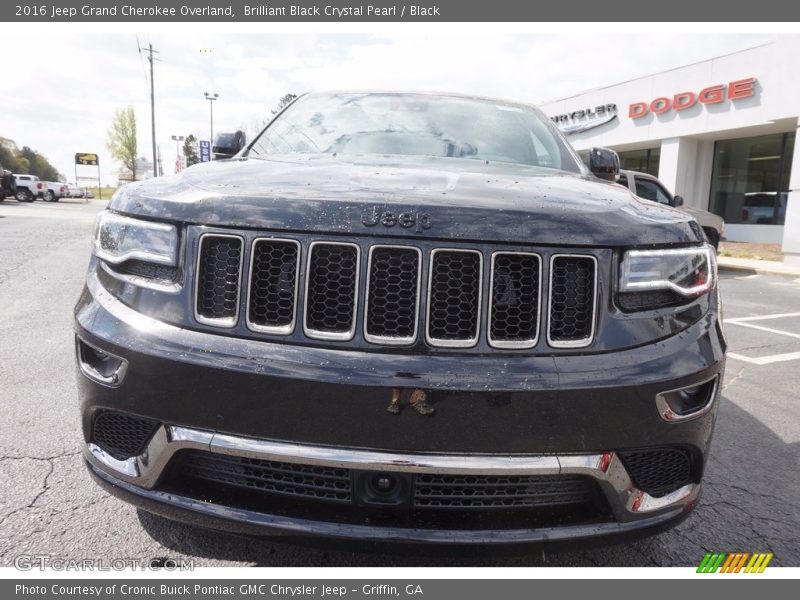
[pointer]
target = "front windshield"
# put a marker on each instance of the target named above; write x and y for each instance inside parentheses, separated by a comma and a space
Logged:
(414, 125)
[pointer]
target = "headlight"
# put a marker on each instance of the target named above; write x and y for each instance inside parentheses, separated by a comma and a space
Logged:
(118, 238)
(688, 271)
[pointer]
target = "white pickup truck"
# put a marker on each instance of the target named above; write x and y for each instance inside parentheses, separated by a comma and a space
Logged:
(648, 187)
(54, 191)
(28, 187)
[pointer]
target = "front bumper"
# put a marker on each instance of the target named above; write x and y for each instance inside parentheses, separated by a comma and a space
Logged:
(135, 480)
(495, 416)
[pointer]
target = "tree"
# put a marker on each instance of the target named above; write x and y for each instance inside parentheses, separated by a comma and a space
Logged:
(190, 150)
(10, 159)
(26, 160)
(285, 99)
(38, 165)
(122, 139)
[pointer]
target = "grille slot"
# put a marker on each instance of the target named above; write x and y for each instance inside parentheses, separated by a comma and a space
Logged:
(454, 298)
(147, 270)
(573, 292)
(120, 435)
(274, 277)
(286, 479)
(219, 267)
(515, 296)
(497, 491)
(331, 291)
(658, 471)
(392, 300)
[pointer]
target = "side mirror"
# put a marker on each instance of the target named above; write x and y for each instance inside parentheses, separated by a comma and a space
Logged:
(228, 145)
(677, 201)
(604, 163)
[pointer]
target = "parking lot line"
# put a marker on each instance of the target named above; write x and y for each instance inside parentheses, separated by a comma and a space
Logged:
(762, 328)
(765, 360)
(763, 317)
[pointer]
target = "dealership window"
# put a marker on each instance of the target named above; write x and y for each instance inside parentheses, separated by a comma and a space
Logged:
(645, 160)
(750, 179)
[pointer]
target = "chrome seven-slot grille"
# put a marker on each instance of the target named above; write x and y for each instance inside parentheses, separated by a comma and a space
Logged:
(396, 299)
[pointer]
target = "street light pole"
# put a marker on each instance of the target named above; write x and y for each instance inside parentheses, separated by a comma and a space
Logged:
(178, 162)
(211, 98)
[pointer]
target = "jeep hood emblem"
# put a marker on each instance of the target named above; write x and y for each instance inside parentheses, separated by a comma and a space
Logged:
(407, 219)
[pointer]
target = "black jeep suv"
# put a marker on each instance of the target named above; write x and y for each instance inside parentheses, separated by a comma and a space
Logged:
(401, 317)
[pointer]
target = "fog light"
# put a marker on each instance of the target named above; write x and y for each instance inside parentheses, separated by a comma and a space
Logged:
(687, 403)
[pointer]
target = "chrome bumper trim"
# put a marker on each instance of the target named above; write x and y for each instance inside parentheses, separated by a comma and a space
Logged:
(626, 501)
(665, 410)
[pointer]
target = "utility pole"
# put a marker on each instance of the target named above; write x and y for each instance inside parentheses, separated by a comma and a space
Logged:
(211, 98)
(178, 160)
(150, 59)
(160, 166)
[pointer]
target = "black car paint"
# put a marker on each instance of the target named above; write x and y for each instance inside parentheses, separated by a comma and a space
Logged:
(291, 388)
(484, 404)
(467, 200)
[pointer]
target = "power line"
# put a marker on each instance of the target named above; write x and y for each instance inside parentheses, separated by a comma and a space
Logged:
(141, 63)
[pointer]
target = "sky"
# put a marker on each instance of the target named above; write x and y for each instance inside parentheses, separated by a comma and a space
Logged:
(59, 97)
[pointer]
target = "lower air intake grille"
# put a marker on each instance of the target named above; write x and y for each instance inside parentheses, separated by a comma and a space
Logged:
(514, 318)
(219, 267)
(331, 290)
(658, 471)
(286, 479)
(572, 299)
(273, 285)
(393, 289)
(454, 297)
(479, 491)
(120, 435)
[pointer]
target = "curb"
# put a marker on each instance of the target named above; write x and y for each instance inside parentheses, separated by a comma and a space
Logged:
(758, 269)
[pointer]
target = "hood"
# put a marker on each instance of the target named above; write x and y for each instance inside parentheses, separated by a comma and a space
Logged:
(435, 198)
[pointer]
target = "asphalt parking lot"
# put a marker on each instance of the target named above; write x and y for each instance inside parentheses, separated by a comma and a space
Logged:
(49, 506)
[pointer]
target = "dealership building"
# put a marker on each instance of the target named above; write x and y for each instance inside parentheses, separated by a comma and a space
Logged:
(720, 133)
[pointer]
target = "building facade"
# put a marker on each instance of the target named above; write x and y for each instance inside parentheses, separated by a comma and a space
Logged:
(721, 133)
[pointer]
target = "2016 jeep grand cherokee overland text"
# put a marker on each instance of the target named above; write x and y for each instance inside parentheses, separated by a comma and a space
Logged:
(401, 317)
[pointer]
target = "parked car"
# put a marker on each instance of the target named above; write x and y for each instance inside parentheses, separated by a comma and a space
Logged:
(29, 187)
(75, 191)
(7, 185)
(764, 208)
(401, 317)
(650, 188)
(54, 191)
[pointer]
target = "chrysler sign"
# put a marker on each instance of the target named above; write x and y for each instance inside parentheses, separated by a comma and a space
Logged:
(585, 119)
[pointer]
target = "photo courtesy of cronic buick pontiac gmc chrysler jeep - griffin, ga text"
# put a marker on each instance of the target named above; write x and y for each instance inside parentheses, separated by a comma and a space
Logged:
(401, 317)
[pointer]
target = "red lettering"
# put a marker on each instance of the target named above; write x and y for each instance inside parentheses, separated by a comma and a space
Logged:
(743, 88)
(712, 94)
(660, 105)
(684, 100)
(638, 110)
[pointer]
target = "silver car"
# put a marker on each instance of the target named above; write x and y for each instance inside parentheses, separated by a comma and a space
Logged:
(648, 187)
